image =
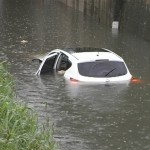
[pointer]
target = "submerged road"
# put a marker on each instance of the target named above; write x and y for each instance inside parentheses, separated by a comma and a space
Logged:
(85, 117)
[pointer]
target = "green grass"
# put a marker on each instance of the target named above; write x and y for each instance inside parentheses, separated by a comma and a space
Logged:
(19, 127)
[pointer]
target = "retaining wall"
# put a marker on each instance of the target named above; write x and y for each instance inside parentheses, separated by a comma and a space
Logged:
(133, 15)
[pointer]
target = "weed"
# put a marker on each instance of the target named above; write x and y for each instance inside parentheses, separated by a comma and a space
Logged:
(19, 127)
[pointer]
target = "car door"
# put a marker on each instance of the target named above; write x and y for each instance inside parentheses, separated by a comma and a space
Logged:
(47, 64)
(63, 63)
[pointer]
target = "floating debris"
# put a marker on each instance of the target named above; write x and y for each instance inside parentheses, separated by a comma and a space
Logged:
(24, 41)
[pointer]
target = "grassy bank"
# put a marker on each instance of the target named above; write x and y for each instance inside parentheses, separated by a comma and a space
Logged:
(19, 129)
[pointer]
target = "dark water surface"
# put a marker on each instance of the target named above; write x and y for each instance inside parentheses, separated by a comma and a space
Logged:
(85, 117)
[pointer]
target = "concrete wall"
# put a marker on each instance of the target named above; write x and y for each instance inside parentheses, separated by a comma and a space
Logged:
(133, 15)
(136, 18)
(102, 10)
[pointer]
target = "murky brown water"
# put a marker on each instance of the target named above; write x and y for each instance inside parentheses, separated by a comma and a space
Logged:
(85, 117)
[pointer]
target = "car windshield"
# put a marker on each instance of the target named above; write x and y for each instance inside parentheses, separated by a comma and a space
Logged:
(104, 68)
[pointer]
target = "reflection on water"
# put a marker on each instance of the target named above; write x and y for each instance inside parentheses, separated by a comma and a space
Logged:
(85, 117)
(77, 89)
(133, 16)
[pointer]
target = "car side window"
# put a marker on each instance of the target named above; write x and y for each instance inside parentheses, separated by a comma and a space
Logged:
(63, 63)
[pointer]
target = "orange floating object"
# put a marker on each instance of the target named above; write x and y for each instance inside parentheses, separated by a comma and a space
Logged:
(135, 80)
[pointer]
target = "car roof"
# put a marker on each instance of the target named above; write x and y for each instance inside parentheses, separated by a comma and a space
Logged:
(90, 54)
(84, 49)
(87, 54)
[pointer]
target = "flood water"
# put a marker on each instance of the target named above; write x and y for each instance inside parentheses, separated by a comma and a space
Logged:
(85, 117)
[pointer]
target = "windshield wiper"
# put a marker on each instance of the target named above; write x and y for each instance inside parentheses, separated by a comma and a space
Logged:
(110, 72)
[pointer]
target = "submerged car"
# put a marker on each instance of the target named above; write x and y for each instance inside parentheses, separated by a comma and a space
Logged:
(98, 65)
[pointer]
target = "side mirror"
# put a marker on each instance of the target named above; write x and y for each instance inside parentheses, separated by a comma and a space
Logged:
(37, 60)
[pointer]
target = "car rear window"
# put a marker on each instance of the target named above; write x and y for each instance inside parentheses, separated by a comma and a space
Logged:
(102, 69)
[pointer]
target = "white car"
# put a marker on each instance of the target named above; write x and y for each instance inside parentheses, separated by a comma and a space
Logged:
(98, 65)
